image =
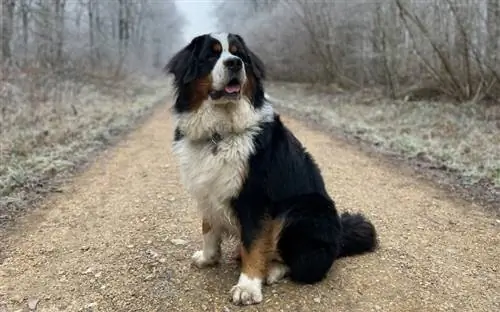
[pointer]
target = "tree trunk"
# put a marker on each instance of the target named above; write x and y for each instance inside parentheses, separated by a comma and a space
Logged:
(493, 29)
(121, 25)
(97, 30)
(24, 13)
(7, 27)
(59, 29)
(90, 12)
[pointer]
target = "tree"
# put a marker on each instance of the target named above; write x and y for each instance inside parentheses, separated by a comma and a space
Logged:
(7, 27)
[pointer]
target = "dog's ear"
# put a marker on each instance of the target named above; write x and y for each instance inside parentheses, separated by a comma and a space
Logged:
(257, 64)
(184, 64)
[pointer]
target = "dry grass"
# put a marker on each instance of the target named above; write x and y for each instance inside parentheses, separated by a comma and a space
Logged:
(462, 138)
(49, 126)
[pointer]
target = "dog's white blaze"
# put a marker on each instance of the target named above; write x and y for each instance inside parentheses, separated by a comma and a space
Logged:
(222, 37)
(247, 290)
(219, 72)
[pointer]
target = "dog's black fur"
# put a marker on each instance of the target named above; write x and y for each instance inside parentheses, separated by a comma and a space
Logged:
(283, 180)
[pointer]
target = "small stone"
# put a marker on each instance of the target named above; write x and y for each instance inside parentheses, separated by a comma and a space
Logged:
(498, 221)
(98, 275)
(317, 300)
(162, 260)
(171, 199)
(149, 242)
(87, 271)
(130, 246)
(17, 298)
(32, 303)
(84, 248)
(204, 307)
(152, 253)
(178, 241)
(91, 305)
(226, 309)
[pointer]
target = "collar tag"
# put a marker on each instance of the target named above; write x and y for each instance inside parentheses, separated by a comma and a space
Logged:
(216, 138)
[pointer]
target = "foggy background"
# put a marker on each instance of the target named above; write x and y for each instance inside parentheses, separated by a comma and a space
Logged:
(74, 74)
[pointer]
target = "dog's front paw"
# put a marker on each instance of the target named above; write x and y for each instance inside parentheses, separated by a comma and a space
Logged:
(201, 260)
(247, 291)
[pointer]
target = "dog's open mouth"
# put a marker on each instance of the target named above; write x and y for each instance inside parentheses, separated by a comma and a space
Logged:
(231, 90)
(233, 87)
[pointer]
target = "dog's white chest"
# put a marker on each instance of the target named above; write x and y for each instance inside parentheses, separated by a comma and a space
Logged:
(213, 179)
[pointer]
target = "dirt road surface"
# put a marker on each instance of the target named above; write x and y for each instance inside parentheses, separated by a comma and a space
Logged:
(120, 238)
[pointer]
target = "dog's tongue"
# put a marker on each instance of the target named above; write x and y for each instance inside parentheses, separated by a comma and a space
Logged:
(232, 89)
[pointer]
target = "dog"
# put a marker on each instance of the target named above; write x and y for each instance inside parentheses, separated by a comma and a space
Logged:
(250, 176)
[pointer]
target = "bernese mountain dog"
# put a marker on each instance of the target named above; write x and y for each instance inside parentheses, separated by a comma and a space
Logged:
(250, 176)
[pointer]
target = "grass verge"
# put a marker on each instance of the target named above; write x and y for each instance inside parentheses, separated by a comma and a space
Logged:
(44, 139)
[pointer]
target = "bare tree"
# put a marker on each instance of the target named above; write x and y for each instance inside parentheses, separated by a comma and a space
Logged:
(116, 35)
(448, 47)
(59, 28)
(7, 27)
(493, 29)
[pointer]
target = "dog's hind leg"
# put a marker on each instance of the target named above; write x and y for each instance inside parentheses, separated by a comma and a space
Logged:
(310, 241)
(276, 272)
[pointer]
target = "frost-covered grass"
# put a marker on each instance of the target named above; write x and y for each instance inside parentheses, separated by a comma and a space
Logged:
(464, 138)
(50, 125)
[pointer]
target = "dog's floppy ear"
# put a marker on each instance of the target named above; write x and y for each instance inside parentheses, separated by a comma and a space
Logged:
(184, 64)
(256, 62)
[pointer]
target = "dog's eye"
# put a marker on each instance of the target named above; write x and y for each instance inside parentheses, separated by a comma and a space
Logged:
(233, 49)
(217, 48)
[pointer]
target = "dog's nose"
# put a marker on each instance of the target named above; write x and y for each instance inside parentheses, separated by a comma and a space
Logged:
(234, 64)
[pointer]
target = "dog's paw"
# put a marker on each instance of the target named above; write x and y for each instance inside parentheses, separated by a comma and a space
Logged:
(276, 272)
(247, 291)
(201, 260)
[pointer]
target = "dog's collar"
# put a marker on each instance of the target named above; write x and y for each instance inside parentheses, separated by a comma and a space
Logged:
(213, 140)
(216, 138)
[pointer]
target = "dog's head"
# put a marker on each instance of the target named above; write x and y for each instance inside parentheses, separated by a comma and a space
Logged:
(216, 69)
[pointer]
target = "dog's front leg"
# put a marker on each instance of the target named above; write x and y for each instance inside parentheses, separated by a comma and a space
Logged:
(248, 290)
(211, 252)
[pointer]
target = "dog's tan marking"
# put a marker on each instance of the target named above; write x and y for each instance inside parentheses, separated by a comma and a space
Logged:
(200, 89)
(255, 260)
(248, 88)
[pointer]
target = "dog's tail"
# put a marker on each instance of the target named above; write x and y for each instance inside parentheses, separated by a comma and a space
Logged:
(358, 235)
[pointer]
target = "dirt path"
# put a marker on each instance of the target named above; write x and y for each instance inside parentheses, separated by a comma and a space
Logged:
(120, 239)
